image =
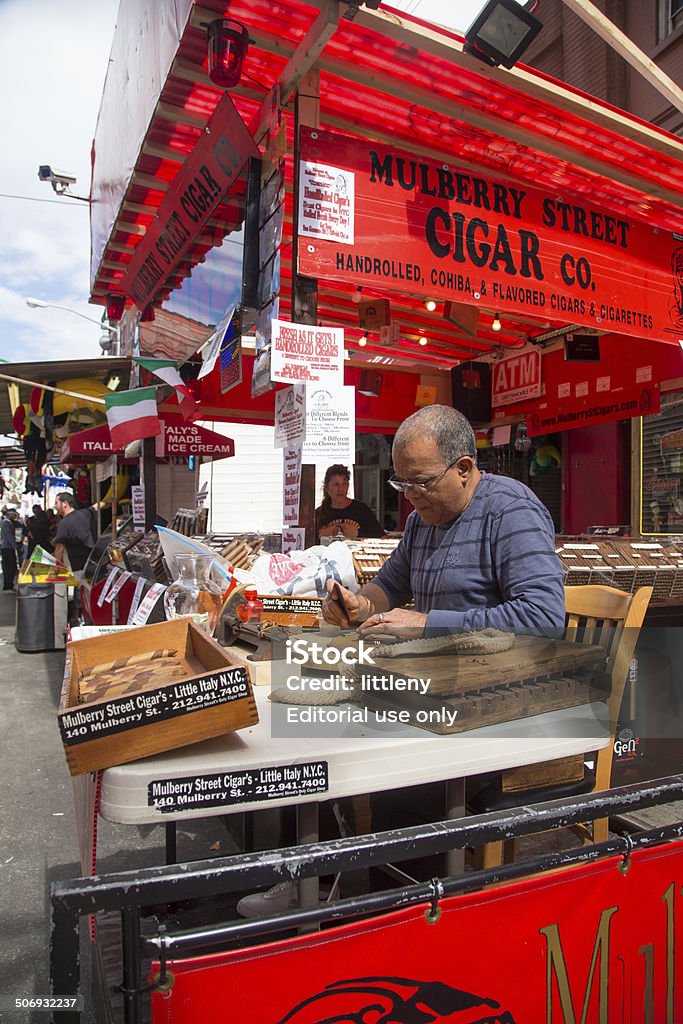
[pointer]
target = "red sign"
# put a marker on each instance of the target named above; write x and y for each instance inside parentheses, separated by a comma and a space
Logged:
(642, 400)
(373, 214)
(623, 384)
(206, 175)
(516, 379)
(178, 437)
(589, 944)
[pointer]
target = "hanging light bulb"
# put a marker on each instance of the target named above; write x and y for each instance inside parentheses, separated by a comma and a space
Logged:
(496, 325)
(357, 295)
(430, 304)
(422, 341)
(362, 341)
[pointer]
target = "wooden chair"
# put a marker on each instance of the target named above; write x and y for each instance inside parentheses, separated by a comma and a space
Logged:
(595, 615)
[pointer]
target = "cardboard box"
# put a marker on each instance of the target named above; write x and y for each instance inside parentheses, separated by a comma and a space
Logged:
(148, 690)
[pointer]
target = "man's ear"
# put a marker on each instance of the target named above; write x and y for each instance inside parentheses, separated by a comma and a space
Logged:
(465, 466)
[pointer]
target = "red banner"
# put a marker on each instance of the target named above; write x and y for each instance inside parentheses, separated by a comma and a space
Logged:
(642, 400)
(217, 159)
(372, 214)
(590, 944)
(178, 437)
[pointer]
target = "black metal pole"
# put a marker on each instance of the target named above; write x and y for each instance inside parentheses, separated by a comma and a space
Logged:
(65, 972)
(130, 948)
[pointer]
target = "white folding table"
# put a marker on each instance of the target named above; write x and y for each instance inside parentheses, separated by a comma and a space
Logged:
(253, 769)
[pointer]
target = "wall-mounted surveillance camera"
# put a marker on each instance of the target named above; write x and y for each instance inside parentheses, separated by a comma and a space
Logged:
(60, 180)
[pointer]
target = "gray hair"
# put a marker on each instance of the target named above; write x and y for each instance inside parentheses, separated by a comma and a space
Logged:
(451, 431)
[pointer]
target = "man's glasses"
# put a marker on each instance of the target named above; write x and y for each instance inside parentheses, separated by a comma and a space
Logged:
(420, 485)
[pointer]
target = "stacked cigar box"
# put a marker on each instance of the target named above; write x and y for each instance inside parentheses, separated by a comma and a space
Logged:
(146, 690)
(624, 564)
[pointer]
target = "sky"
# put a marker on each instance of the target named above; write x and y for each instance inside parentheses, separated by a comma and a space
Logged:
(53, 61)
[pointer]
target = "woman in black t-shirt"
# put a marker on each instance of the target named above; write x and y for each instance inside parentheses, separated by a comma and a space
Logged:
(340, 514)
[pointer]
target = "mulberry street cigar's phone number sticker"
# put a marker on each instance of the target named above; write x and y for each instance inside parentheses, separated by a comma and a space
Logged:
(275, 782)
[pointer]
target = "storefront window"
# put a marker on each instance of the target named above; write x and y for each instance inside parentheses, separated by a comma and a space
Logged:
(661, 470)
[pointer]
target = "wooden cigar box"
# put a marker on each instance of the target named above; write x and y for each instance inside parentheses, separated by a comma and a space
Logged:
(147, 690)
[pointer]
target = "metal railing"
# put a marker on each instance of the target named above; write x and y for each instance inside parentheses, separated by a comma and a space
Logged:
(130, 892)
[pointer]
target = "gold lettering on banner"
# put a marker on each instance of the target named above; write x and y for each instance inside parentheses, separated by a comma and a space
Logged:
(668, 898)
(648, 954)
(557, 969)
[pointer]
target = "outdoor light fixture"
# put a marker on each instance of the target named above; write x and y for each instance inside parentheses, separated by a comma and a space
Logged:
(496, 325)
(357, 295)
(430, 304)
(362, 341)
(228, 44)
(501, 33)
(422, 341)
(115, 305)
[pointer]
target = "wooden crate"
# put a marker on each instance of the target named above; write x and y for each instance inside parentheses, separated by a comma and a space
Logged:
(151, 689)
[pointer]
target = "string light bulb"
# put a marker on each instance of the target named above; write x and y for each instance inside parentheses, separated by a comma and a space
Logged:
(496, 325)
(357, 295)
(430, 304)
(362, 341)
(422, 340)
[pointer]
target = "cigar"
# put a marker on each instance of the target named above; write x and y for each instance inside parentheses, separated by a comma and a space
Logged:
(337, 595)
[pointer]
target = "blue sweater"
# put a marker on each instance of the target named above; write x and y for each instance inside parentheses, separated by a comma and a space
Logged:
(495, 565)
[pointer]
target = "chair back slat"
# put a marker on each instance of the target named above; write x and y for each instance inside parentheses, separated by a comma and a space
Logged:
(612, 618)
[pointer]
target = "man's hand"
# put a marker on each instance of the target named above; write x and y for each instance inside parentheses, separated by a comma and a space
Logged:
(400, 622)
(342, 608)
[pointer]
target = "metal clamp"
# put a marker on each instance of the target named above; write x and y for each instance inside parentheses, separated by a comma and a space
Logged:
(626, 860)
(163, 981)
(433, 914)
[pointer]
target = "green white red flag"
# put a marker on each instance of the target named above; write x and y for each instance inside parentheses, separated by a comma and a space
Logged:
(132, 415)
(167, 370)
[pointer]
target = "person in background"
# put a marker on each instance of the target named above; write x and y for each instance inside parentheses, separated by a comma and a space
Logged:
(52, 523)
(478, 550)
(340, 514)
(75, 536)
(38, 526)
(8, 546)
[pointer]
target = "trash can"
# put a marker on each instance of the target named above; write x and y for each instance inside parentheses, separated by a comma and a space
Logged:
(41, 616)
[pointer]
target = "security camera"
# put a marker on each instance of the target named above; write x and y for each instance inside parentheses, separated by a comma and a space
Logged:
(60, 180)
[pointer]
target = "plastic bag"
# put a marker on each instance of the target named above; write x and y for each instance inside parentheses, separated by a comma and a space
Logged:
(305, 573)
(225, 575)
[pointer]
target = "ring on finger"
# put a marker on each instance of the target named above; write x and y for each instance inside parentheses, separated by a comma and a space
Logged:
(381, 616)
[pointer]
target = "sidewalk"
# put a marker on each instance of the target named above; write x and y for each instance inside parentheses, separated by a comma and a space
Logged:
(38, 842)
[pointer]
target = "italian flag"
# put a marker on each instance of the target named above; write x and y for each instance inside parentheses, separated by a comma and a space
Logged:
(132, 415)
(167, 370)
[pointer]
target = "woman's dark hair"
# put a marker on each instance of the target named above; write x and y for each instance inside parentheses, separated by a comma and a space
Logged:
(336, 470)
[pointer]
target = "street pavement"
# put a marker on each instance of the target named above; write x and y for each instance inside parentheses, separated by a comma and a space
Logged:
(38, 840)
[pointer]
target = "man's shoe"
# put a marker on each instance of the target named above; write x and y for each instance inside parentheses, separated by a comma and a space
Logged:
(281, 897)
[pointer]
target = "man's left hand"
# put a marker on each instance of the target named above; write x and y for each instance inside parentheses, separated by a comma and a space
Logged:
(400, 622)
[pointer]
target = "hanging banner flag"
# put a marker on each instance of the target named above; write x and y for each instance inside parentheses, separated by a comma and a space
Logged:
(212, 347)
(476, 239)
(308, 353)
(330, 424)
(132, 415)
(291, 490)
(167, 370)
(290, 416)
(261, 380)
(230, 354)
